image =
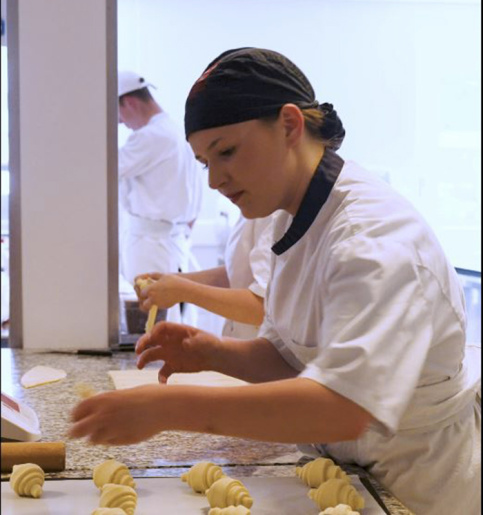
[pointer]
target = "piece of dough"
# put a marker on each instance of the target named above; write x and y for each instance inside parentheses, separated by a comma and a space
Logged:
(340, 509)
(202, 475)
(118, 496)
(108, 511)
(315, 472)
(41, 375)
(27, 480)
(227, 491)
(112, 471)
(334, 492)
(153, 311)
(230, 510)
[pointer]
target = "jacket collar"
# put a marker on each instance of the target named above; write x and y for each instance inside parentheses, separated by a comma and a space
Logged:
(315, 197)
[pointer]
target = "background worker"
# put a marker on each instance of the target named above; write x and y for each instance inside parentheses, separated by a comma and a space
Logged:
(235, 290)
(160, 185)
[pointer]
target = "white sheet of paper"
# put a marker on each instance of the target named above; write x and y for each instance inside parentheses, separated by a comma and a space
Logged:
(169, 496)
(130, 378)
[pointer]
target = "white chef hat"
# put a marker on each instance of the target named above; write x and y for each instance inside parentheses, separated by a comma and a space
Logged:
(130, 81)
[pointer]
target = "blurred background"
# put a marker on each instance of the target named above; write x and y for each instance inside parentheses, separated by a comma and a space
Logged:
(404, 76)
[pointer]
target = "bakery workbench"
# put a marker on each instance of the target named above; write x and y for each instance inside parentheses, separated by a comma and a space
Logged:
(169, 454)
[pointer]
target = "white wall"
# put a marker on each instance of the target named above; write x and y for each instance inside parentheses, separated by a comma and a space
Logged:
(403, 75)
(63, 168)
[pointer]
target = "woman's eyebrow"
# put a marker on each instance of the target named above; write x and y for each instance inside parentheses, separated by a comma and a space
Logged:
(214, 143)
(210, 146)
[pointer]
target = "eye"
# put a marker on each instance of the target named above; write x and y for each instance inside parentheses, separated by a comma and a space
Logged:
(203, 163)
(227, 152)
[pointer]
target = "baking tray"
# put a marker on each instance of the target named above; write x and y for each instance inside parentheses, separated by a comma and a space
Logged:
(170, 496)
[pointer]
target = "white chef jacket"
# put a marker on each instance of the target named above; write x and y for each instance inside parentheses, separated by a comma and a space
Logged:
(247, 261)
(160, 185)
(363, 301)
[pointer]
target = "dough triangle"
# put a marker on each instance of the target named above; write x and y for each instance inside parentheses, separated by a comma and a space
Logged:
(41, 375)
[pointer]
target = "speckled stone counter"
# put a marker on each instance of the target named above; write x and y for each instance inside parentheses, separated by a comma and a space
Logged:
(168, 454)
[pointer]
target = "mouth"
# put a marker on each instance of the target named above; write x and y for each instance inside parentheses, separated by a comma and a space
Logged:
(234, 197)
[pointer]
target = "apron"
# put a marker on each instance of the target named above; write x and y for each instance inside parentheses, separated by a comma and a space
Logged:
(411, 463)
(156, 246)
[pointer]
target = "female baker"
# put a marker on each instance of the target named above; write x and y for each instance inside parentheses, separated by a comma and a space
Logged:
(363, 343)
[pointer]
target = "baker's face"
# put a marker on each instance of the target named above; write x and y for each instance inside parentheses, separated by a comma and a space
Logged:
(246, 162)
(128, 114)
(123, 115)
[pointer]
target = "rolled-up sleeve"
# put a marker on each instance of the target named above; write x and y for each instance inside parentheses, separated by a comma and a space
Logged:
(376, 329)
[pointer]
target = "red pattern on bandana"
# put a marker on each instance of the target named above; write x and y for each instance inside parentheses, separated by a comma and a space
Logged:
(200, 83)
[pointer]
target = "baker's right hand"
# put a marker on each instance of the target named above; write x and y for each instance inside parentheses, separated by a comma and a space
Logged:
(182, 348)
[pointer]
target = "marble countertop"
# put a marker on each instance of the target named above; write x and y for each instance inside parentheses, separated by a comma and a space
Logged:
(168, 454)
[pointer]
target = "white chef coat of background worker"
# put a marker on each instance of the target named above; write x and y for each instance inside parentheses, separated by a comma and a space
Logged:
(160, 189)
(247, 262)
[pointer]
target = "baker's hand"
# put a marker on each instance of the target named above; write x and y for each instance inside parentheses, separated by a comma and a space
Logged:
(119, 417)
(166, 291)
(142, 291)
(181, 347)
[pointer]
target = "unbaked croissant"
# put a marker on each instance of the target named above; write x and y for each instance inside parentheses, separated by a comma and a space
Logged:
(108, 511)
(227, 491)
(112, 471)
(118, 496)
(230, 510)
(334, 492)
(202, 475)
(27, 480)
(315, 472)
(340, 509)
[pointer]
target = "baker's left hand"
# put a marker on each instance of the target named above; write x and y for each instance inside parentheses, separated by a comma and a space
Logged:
(165, 291)
(119, 417)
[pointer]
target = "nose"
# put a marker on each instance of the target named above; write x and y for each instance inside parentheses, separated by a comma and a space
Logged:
(216, 177)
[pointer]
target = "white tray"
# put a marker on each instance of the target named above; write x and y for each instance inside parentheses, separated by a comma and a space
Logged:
(170, 496)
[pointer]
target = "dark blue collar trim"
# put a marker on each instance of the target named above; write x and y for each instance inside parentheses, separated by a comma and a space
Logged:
(317, 193)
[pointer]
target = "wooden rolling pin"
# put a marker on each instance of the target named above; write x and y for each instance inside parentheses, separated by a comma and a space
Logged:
(48, 455)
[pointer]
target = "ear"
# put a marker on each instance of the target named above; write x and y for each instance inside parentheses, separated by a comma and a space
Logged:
(293, 123)
(129, 102)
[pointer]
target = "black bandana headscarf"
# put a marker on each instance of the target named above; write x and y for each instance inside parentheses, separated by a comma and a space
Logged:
(250, 83)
